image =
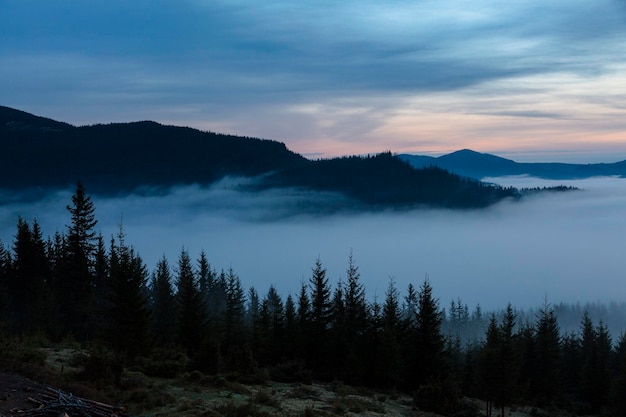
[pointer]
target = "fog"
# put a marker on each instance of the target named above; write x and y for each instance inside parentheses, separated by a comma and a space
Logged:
(568, 247)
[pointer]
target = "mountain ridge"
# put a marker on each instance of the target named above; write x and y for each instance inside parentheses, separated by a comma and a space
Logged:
(469, 163)
(124, 157)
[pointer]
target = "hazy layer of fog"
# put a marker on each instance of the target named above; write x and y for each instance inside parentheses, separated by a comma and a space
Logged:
(566, 246)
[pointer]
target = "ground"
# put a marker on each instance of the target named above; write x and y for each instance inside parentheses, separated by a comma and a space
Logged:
(196, 394)
(14, 393)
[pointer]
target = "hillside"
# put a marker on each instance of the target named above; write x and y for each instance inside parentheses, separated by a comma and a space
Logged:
(40, 153)
(478, 165)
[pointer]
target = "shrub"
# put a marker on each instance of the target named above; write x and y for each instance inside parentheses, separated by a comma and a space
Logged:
(163, 363)
(439, 396)
(265, 397)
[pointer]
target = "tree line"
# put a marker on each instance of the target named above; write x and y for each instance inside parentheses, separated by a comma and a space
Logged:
(188, 316)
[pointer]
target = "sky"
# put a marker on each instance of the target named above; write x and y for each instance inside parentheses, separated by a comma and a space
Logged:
(560, 247)
(532, 80)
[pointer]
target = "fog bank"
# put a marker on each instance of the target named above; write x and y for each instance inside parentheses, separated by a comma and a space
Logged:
(566, 246)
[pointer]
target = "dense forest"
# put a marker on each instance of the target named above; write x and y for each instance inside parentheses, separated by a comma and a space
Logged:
(123, 158)
(185, 315)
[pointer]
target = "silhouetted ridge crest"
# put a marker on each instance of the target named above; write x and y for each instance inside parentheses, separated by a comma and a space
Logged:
(124, 157)
(479, 165)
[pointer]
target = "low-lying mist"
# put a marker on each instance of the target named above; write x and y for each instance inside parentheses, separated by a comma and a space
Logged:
(566, 246)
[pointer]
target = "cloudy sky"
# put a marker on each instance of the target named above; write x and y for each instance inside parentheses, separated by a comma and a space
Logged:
(530, 80)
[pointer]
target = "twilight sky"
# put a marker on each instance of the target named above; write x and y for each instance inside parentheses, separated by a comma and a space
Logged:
(530, 80)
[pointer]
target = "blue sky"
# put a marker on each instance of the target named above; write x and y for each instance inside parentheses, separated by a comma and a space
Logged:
(529, 80)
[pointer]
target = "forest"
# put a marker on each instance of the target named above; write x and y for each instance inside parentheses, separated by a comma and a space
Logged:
(156, 157)
(187, 316)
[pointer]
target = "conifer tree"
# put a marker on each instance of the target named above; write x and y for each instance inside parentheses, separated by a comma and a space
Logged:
(596, 350)
(390, 338)
(74, 282)
(206, 277)
(163, 304)
(128, 309)
(253, 311)
(238, 352)
(338, 344)
(291, 328)
(303, 317)
(276, 311)
(618, 386)
(546, 381)
(320, 318)
(490, 361)
(21, 283)
(356, 315)
(508, 362)
(234, 317)
(429, 342)
(4, 270)
(191, 314)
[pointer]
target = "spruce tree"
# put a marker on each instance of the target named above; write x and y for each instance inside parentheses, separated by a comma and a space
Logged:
(129, 312)
(291, 329)
(191, 314)
(489, 365)
(4, 272)
(276, 311)
(390, 358)
(546, 380)
(429, 341)
(320, 319)
(356, 316)
(74, 282)
(163, 304)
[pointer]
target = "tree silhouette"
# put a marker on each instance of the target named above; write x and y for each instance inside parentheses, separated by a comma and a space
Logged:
(163, 304)
(191, 313)
(74, 282)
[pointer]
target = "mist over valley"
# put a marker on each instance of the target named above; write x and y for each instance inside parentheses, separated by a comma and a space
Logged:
(563, 246)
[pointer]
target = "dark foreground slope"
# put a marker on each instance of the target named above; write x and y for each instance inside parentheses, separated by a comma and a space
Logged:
(39, 153)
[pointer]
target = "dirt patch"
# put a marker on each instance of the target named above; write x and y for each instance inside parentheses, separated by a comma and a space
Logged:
(15, 392)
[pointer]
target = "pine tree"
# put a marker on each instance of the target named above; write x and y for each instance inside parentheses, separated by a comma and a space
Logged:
(191, 322)
(489, 365)
(356, 317)
(319, 319)
(390, 338)
(238, 351)
(5, 262)
(163, 304)
(338, 344)
(206, 277)
(21, 282)
(546, 381)
(75, 281)
(596, 350)
(618, 386)
(129, 313)
(303, 317)
(291, 329)
(253, 317)
(234, 317)
(429, 341)
(277, 323)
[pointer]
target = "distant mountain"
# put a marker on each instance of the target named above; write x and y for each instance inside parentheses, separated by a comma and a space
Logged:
(118, 158)
(477, 165)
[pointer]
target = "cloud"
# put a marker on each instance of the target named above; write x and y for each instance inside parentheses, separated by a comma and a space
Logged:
(247, 67)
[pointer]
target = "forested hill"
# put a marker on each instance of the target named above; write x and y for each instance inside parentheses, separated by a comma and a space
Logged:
(121, 157)
(40, 153)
